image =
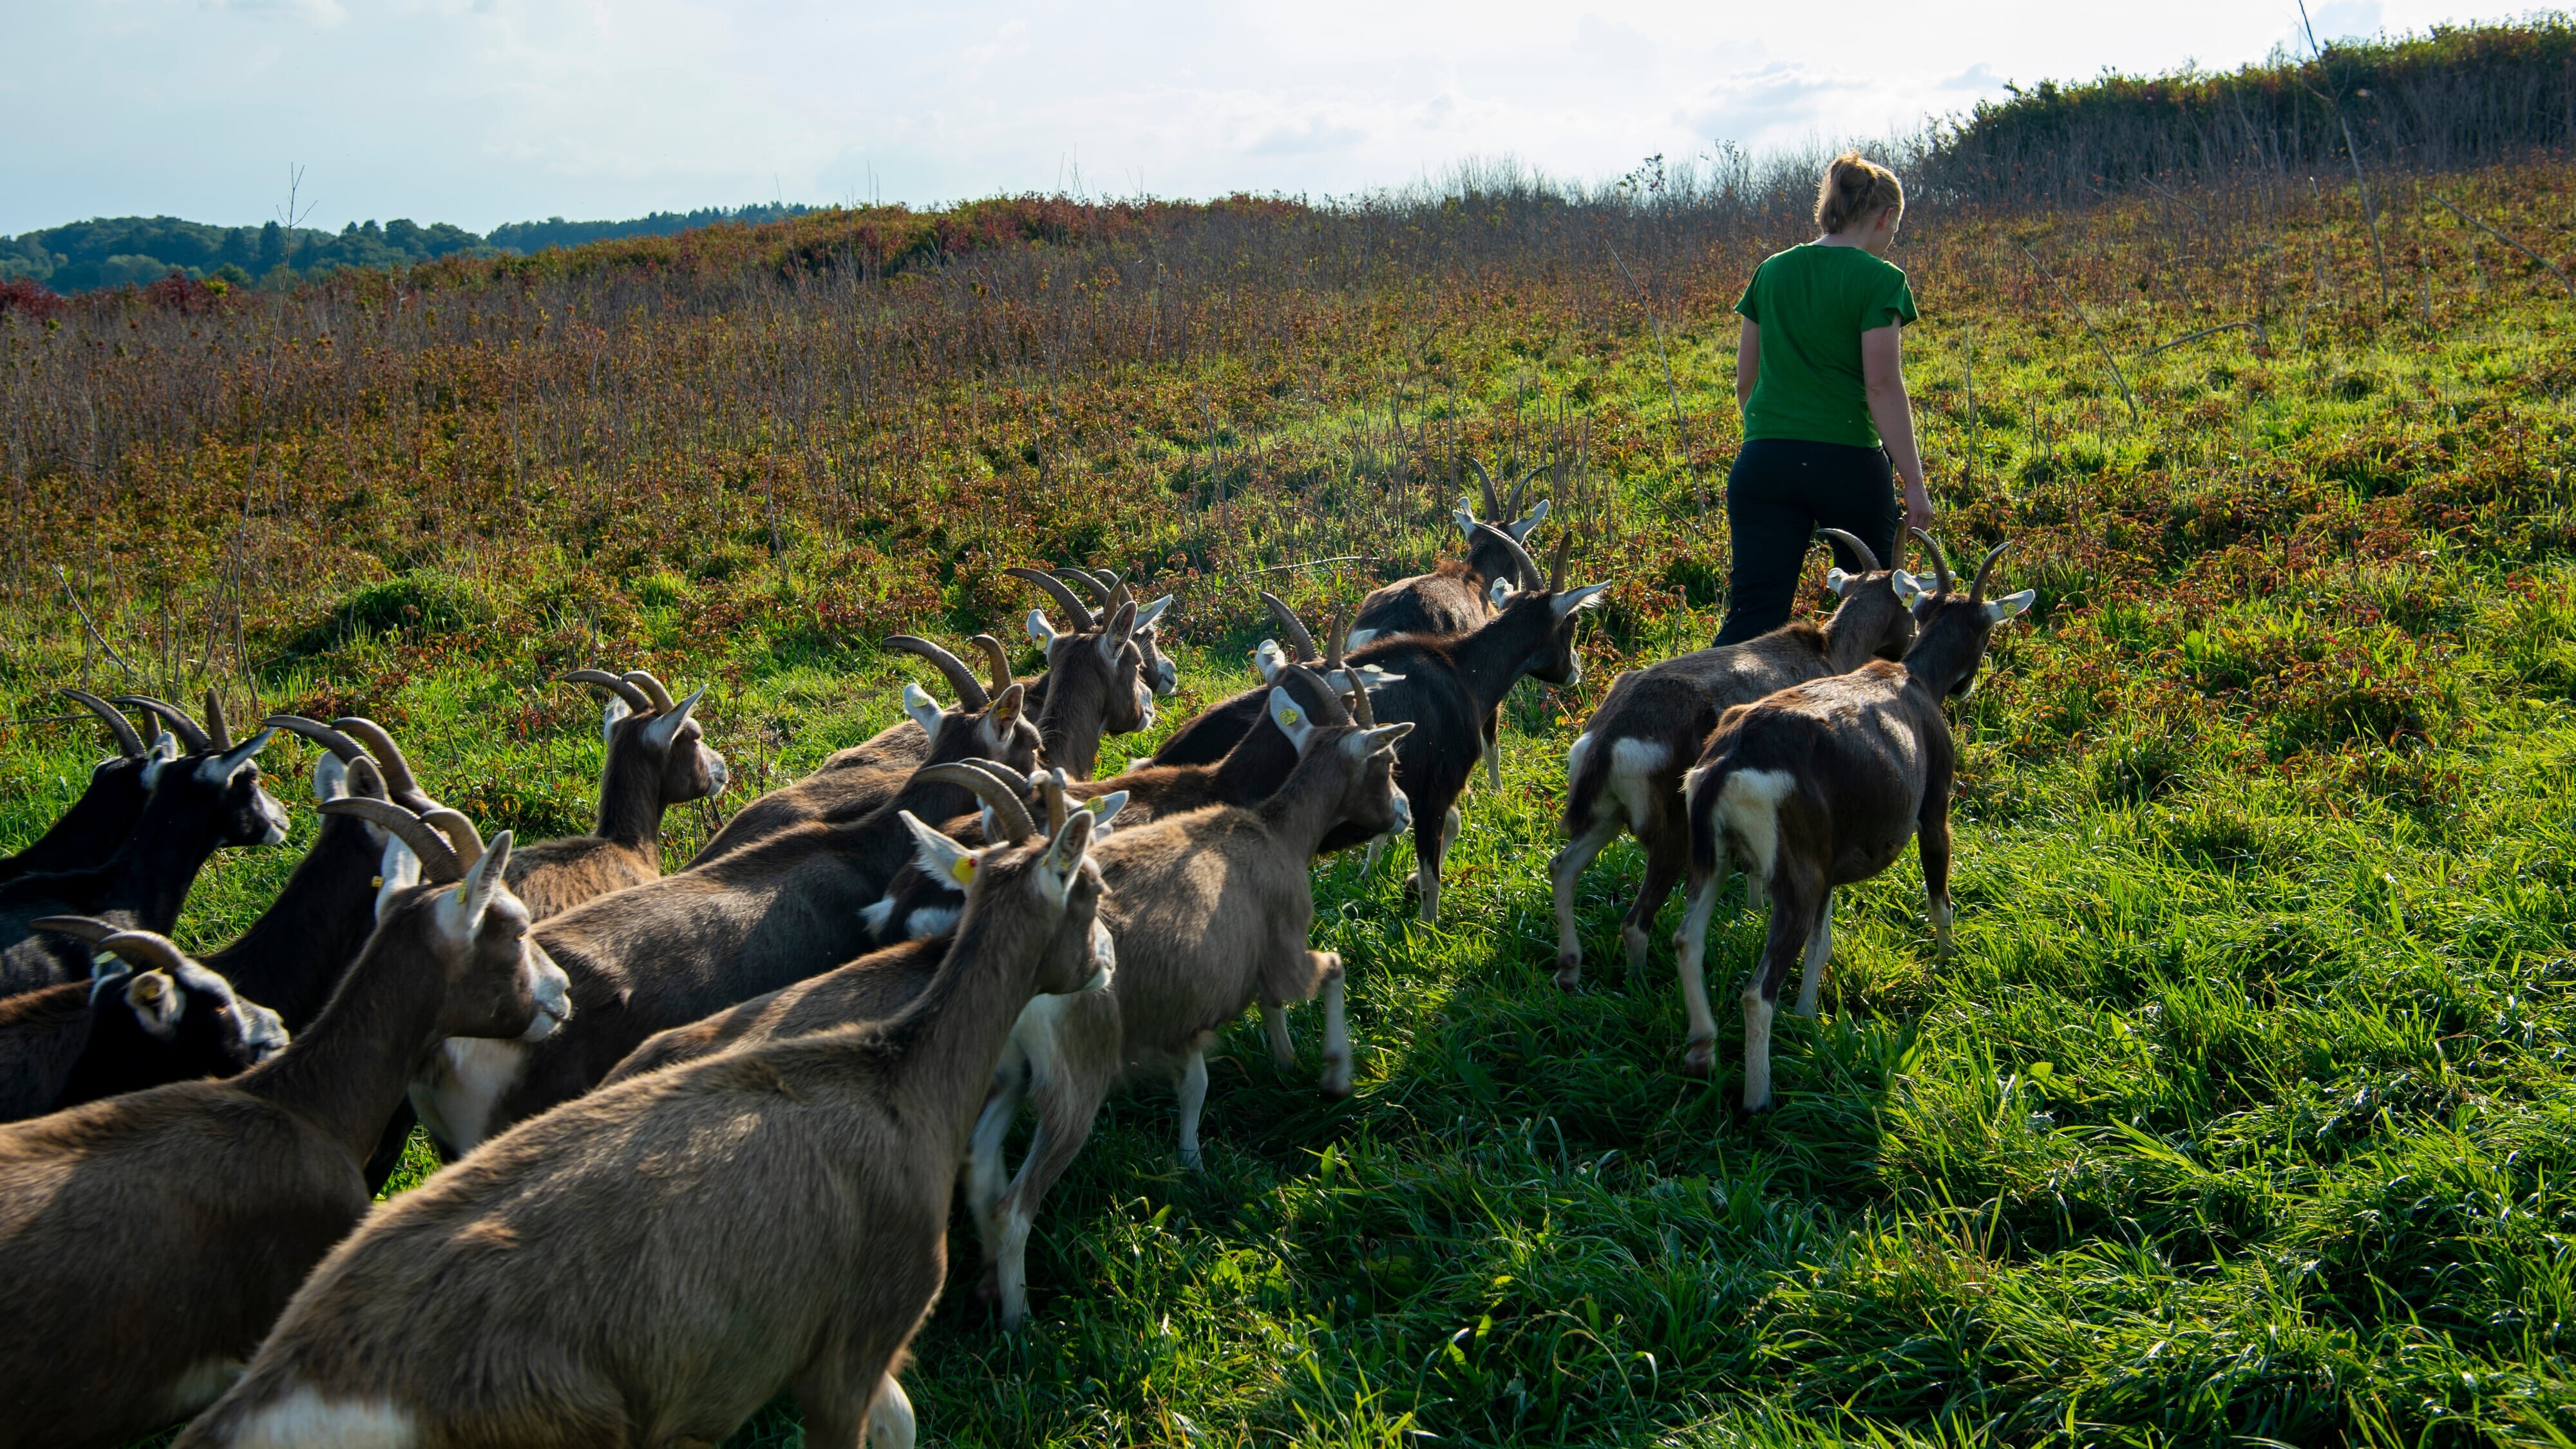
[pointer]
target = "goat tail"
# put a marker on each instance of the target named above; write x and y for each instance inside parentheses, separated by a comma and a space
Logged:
(1587, 770)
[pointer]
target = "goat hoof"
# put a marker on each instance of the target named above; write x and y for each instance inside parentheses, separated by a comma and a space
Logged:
(1193, 1159)
(1635, 940)
(1569, 974)
(988, 1287)
(1700, 1060)
(1758, 1109)
(1337, 1080)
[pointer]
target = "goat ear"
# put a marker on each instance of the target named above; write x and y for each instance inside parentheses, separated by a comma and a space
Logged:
(220, 769)
(659, 733)
(330, 778)
(1270, 658)
(1004, 712)
(1520, 531)
(1291, 718)
(1105, 808)
(397, 870)
(157, 1003)
(2010, 606)
(1041, 632)
(1839, 582)
(1146, 616)
(1384, 736)
(1908, 588)
(1500, 592)
(1113, 635)
(1573, 599)
(157, 757)
(611, 715)
(924, 710)
(473, 895)
(1466, 522)
(1064, 854)
(941, 858)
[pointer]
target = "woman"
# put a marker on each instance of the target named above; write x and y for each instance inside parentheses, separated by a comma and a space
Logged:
(1820, 375)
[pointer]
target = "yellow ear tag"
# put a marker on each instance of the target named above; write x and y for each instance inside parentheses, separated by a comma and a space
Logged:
(377, 883)
(1092, 805)
(962, 870)
(1288, 716)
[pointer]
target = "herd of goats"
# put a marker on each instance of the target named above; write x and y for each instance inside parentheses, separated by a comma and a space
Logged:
(702, 1129)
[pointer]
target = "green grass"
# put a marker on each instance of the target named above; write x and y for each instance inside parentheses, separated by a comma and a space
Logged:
(2245, 1113)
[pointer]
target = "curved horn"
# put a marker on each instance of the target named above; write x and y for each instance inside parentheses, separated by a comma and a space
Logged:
(1977, 589)
(1941, 576)
(173, 716)
(1091, 584)
(1522, 563)
(437, 858)
(1074, 612)
(1119, 593)
(1334, 636)
(218, 733)
(1012, 815)
(617, 684)
(970, 690)
(128, 743)
(86, 928)
(460, 833)
(388, 755)
(1298, 638)
(1859, 550)
(1512, 509)
(1556, 563)
(348, 750)
(997, 657)
(1493, 504)
(146, 951)
(644, 680)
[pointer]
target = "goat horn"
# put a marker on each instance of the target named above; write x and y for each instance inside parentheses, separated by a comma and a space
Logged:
(1051, 786)
(996, 656)
(218, 733)
(1493, 503)
(388, 755)
(1556, 563)
(663, 703)
(1522, 564)
(438, 863)
(1977, 589)
(86, 928)
(1334, 634)
(460, 833)
(128, 743)
(1012, 815)
(1074, 611)
(1859, 550)
(617, 684)
(970, 690)
(1119, 593)
(173, 716)
(145, 950)
(1941, 576)
(1512, 508)
(1090, 582)
(348, 750)
(1298, 638)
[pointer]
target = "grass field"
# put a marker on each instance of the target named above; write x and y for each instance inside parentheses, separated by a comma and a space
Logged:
(2246, 1113)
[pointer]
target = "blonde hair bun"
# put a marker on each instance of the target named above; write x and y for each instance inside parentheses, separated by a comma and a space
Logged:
(1855, 189)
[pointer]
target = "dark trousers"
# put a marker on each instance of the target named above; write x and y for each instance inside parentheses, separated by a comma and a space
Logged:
(1778, 494)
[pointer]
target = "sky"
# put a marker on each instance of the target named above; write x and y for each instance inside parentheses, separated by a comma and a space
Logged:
(479, 112)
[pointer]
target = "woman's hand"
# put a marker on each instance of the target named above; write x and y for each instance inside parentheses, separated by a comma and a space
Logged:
(1918, 506)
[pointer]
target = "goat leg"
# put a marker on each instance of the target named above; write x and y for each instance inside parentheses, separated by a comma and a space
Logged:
(1067, 1096)
(1193, 1097)
(1494, 747)
(1274, 1022)
(1932, 834)
(1690, 947)
(1820, 948)
(891, 1424)
(985, 1182)
(1565, 872)
(1794, 909)
(1667, 856)
(1337, 1027)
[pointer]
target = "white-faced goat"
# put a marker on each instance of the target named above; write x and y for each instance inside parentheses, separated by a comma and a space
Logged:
(1448, 684)
(651, 1264)
(148, 1242)
(1625, 770)
(657, 758)
(674, 949)
(98, 822)
(146, 1016)
(199, 801)
(1210, 911)
(1820, 786)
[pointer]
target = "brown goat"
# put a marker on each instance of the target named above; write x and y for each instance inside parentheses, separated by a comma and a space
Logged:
(657, 758)
(148, 1242)
(1820, 786)
(649, 1265)
(674, 949)
(1625, 770)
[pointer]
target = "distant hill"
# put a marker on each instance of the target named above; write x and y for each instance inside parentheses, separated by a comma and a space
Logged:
(115, 251)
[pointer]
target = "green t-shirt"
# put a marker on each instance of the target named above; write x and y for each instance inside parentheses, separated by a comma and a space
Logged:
(1812, 304)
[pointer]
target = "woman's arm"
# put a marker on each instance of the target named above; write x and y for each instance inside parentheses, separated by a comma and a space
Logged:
(1748, 360)
(1882, 370)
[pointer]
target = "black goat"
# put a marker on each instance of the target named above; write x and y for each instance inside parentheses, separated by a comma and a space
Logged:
(98, 822)
(146, 1016)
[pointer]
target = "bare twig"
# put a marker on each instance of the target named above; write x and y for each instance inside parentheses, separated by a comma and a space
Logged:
(2204, 332)
(2554, 271)
(2108, 360)
(83, 610)
(1313, 563)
